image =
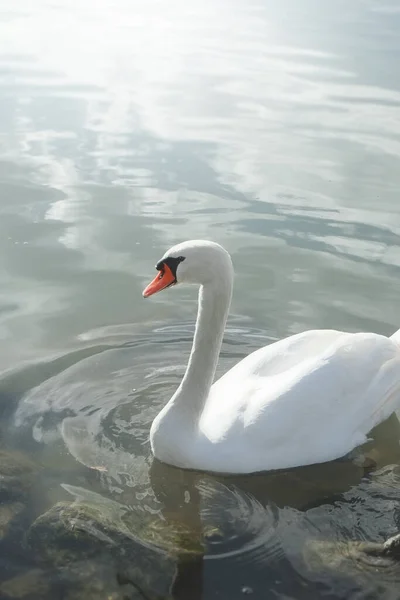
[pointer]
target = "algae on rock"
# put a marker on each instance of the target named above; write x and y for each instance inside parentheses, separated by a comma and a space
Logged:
(73, 532)
(352, 557)
(17, 475)
(8, 516)
(31, 585)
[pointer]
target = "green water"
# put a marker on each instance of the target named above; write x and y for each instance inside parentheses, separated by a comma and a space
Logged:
(126, 127)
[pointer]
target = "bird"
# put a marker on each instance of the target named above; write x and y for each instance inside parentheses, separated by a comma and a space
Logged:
(309, 398)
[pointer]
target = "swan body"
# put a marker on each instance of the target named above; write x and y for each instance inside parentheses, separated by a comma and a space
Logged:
(310, 398)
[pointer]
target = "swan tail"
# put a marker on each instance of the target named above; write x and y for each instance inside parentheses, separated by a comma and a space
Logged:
(396, 337)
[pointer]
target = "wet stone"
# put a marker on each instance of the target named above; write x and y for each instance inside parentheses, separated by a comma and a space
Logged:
(86, 580)
(14, 463)
(74, 533)
(391, 548)
(351, 556)
(69, 532)
(8, 517)
(32, 585)
(90, 580)
(17, 475)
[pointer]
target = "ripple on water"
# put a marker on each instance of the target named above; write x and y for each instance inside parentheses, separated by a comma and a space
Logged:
(237, 526)
(100, 409)
(332, 543)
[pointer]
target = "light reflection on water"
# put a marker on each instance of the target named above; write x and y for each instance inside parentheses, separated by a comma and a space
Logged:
(273, 129)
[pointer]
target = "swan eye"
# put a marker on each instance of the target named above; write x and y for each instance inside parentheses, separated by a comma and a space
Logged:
(171, 262)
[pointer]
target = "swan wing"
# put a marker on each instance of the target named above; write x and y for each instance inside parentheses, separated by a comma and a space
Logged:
(309, 398)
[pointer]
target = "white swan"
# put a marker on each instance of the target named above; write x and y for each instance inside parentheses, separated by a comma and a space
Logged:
(310, 398)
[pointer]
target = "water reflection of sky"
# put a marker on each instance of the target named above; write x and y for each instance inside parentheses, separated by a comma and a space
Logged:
(128, 128)
(273, 128)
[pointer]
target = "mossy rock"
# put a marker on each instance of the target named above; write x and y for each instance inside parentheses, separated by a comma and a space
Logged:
(9, 514)
(17, 475)
(350, 557)
(95, 580)
(14, 463)
(33, 585)
(86, 580)
(70, 533)
(171, 536)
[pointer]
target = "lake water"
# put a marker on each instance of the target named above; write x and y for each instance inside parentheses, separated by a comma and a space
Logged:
(126, 127)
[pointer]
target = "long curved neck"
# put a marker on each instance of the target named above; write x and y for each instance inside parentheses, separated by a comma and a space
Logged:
(214, 302)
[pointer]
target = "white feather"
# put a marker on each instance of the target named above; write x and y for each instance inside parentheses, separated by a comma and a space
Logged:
(310, 398)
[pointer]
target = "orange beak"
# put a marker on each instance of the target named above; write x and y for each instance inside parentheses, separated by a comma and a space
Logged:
(162, 280)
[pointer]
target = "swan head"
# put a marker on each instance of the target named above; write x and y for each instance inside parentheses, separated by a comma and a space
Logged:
(195, 261)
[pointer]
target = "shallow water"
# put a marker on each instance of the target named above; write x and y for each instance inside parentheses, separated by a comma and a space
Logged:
(272, 129)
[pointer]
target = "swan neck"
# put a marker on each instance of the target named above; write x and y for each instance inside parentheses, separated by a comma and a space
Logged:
(213, 307)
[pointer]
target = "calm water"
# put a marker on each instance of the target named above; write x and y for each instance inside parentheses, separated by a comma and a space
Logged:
(126, 127)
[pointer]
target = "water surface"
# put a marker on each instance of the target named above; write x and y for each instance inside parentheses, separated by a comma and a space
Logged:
(125, 128)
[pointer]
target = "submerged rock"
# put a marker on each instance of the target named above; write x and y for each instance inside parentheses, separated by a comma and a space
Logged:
(352, 556)
(17, 475)
(8, 517)
(391, 548)
(172, 533)
(32, 585)
(95, 580)
(70, 533)
(86, 580)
